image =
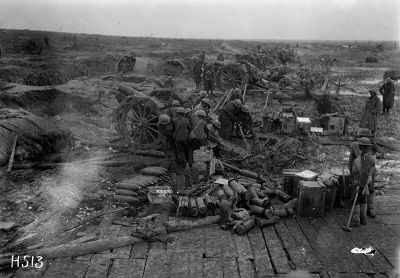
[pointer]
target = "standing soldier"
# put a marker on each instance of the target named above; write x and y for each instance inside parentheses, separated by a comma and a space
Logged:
(181, 136)
(166, 134)
(362, 171)
(371, 111)
(220, 57)
(199, 132)
(355, 152)
(208, 78)
(237, 94)
(388, 91)
(172, 110)
(202, 95)
(197, 70)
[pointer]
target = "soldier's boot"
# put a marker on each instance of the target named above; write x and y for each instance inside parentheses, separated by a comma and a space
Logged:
(363, 214)
(355, 218)
(371, 208)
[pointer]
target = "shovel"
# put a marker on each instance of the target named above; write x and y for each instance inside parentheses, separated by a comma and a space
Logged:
(347, 227)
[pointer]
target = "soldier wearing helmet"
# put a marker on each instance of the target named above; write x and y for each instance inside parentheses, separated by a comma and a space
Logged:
(355, 152)
(362, 172)
(208, 78)
(371, 112)
(171, 112)
(387, 91)
(229, 115)
(181, 136)
(166, 133)
(205, 105)
(237, 94)
(199, 133)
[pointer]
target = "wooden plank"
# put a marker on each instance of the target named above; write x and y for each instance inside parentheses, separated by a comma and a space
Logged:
(124, 268)
(24, 273)
(230, 268)
(157, 265)
(98, 268)
(124, 251)
(361, 239)
(318, 243)
(262, 260)
(245, 267)
(228, 245)
(196, 264)
(243, 246)
(139, 250)
(290, 245)
(213, 242)
(275, 249)
(389, 219)
(67, 268)
(395, 229)
(157, 247)
(179, 267)
(340, 245)
(310, 255)
(213, 268)
(353, 275)
(112, 231)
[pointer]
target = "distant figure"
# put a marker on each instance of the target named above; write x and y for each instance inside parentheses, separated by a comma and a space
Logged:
(202, 56)
(197, 70)
(220, 57)
(371, 111)
(46, 41)
(208, 78)
(388, 91)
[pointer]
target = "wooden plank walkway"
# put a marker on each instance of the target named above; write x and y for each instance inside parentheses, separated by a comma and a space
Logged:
(317, 245)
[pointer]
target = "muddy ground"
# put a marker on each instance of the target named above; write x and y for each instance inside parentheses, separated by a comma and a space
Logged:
(43, 203)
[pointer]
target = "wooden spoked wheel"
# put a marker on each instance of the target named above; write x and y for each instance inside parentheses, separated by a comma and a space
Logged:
(137, 120)
(229, 77)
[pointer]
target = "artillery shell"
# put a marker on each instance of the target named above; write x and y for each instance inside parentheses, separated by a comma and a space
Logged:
(209, 202)
(250, 194)
(246, 226)
(127, 199)
(183, 205)
(291, 204)
(257, 202)
(282, 195)
(280, 212)
(133, 187)
(221, 194)
(266, 202)
(257, 210)
(124, 192)
(237, 187)
(262, 222)
(194, 211)
(228, 191)
(201, 206)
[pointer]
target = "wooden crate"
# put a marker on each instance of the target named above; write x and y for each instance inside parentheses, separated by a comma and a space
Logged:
(311, 199)
(336, 125)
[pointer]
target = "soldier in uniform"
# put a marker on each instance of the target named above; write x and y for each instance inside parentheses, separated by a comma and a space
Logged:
(197, 71)
(388, 91)
(166, 133)
(355, 152)
(205, 105)
(229, 115)
(237, 94)
(171, 112)
(371, 112)
(208, 78)
(181, 136)
(362, 171)
(199, 131)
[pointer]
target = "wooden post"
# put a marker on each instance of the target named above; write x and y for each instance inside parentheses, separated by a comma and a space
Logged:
(244, 91)
(266, 101)
(11, 162)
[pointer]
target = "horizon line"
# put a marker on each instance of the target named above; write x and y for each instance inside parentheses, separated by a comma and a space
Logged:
(191, 38)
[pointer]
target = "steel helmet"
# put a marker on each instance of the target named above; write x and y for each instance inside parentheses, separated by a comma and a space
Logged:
(364, 132)
(176, 103)
(180, 110)
(164, 119)
(236, 91)
(237, 102)
(200, 113)
(206, 101)
(216, 123)
(203, 93)
(364, 141)
(246, 108)
(388, 80)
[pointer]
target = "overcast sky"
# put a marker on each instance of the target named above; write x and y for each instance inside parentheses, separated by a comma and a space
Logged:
(229, 19)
